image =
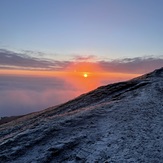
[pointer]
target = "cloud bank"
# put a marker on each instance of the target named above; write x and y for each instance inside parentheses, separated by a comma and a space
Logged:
(21, 95)
(13, 60)
(133, 65)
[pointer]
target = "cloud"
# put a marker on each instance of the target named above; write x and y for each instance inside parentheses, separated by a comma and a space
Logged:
(30, 52)
(88, 58)
(21, 95)
(9, 59)
(18, 102)
(137, 65)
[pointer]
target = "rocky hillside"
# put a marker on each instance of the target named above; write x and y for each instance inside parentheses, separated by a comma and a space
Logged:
(117, 123)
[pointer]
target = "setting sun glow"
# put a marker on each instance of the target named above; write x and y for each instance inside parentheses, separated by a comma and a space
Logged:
(85, 75)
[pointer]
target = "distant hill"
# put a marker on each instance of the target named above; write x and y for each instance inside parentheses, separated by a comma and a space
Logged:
(116, 123)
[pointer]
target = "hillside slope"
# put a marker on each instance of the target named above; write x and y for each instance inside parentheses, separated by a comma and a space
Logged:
(121, 122)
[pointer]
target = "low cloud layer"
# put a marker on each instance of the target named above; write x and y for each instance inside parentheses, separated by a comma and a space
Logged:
(11, 60)
(21, 95)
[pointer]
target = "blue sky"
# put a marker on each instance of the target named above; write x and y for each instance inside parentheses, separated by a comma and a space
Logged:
(105, 28)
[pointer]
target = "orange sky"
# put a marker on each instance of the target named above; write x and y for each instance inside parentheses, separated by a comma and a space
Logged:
(40, 89)
(74, 74)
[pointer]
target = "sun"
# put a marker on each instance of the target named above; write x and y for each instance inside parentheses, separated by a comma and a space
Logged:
(85, 75)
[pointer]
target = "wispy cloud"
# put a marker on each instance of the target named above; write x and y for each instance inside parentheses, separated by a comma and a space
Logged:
(13, 60)
(132, 65)
(87, 58)
(21, 95)
(9, 59)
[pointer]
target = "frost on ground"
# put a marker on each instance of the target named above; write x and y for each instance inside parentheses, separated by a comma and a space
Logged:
(117, 123)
